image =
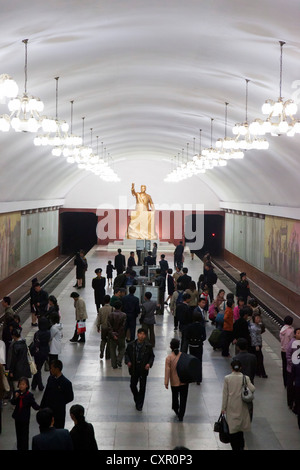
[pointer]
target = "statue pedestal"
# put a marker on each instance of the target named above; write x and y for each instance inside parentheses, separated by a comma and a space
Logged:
(142, 226)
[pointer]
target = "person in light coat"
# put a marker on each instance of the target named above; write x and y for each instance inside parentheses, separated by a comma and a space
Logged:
(80, 315)
(235, 409)
(55, 338)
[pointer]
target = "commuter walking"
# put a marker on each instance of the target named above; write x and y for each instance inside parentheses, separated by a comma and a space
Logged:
(147, 318)
(179, 389)
(235, 409)
(82, 434)
(102, 325)
(139, 358)
(80, 316)
(98, 284)
(195, 335)
(116, 323)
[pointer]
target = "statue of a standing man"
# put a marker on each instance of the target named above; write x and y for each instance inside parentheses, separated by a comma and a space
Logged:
(143, 200)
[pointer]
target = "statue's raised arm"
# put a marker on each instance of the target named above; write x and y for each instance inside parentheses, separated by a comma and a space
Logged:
(133, 190)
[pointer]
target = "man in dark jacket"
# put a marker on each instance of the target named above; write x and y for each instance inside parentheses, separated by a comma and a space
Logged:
(40, 300)
(247, 359)
(210, 279)
(184, 314)
(17, 358)
(178, 255)
(139, 358)
(120, 262)
(131, 306)
(58, 392)
(160, 282)
(185, 279)
(241, 327)
(164, 265)
(50, 438)
(195, 335)
(116, 323)
(98, 284)
(242, 288)
(131, 261)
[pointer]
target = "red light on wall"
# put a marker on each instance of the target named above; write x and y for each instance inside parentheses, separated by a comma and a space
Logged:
(213, 234)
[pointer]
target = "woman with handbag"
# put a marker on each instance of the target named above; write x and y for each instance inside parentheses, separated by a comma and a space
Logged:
(234, 407)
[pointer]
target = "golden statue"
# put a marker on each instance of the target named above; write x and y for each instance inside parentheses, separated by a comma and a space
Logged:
(143, 200)
(142, 221)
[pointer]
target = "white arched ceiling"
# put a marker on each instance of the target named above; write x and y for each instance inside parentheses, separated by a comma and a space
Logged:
(147, 76)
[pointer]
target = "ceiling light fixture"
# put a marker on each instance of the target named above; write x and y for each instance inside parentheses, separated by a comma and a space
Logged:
(53, 126)
(25, 110)
(280, 114)
(246, 140)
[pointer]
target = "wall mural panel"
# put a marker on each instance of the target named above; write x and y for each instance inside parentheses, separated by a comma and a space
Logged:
(281, 259)
(9, 243)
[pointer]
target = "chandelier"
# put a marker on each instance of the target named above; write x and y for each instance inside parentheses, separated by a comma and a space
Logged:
(55, 129)
(246, 140)
(213, 154)
(280, 114)
(25, 110)
(228, 147)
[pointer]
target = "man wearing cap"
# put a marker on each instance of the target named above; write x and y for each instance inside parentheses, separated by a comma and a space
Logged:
(242, 288)
(98, 284)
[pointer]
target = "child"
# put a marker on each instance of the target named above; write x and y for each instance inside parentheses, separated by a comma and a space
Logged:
(23, 401)
(205, 295)
(237, 308)
(109, 273)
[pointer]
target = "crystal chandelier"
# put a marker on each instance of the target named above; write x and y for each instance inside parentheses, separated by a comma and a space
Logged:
(228, 147)
(55, 129)
(245, 139)
(199, 161)
(25, 110)
(280, 114)
(212, 154)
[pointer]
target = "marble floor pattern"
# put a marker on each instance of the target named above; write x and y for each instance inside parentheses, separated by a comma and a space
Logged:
(108, 402)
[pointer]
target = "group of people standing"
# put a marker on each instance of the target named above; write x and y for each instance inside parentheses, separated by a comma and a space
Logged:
(192, 306)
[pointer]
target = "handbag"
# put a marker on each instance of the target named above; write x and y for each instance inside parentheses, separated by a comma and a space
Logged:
(31, 362)
(221, 427)
(247, 395)
(5, 383)
(81, 328)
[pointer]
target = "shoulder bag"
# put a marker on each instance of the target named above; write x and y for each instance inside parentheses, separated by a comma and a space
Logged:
(247, 395)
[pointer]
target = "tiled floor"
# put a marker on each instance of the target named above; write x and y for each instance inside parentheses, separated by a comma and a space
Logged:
(106, 396)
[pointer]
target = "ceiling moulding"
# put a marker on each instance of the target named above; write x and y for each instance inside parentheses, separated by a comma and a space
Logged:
(261, 209)
(15, 206)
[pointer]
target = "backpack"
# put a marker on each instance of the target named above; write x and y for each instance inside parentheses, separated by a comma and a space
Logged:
(179, 299)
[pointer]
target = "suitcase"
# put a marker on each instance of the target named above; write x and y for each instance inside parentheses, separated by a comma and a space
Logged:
(189, 368)
(214, 339)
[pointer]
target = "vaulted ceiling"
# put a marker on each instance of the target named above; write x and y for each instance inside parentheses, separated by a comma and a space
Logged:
(147, 76)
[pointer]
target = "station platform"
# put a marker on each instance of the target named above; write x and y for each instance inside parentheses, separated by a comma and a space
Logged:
(105, 394)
